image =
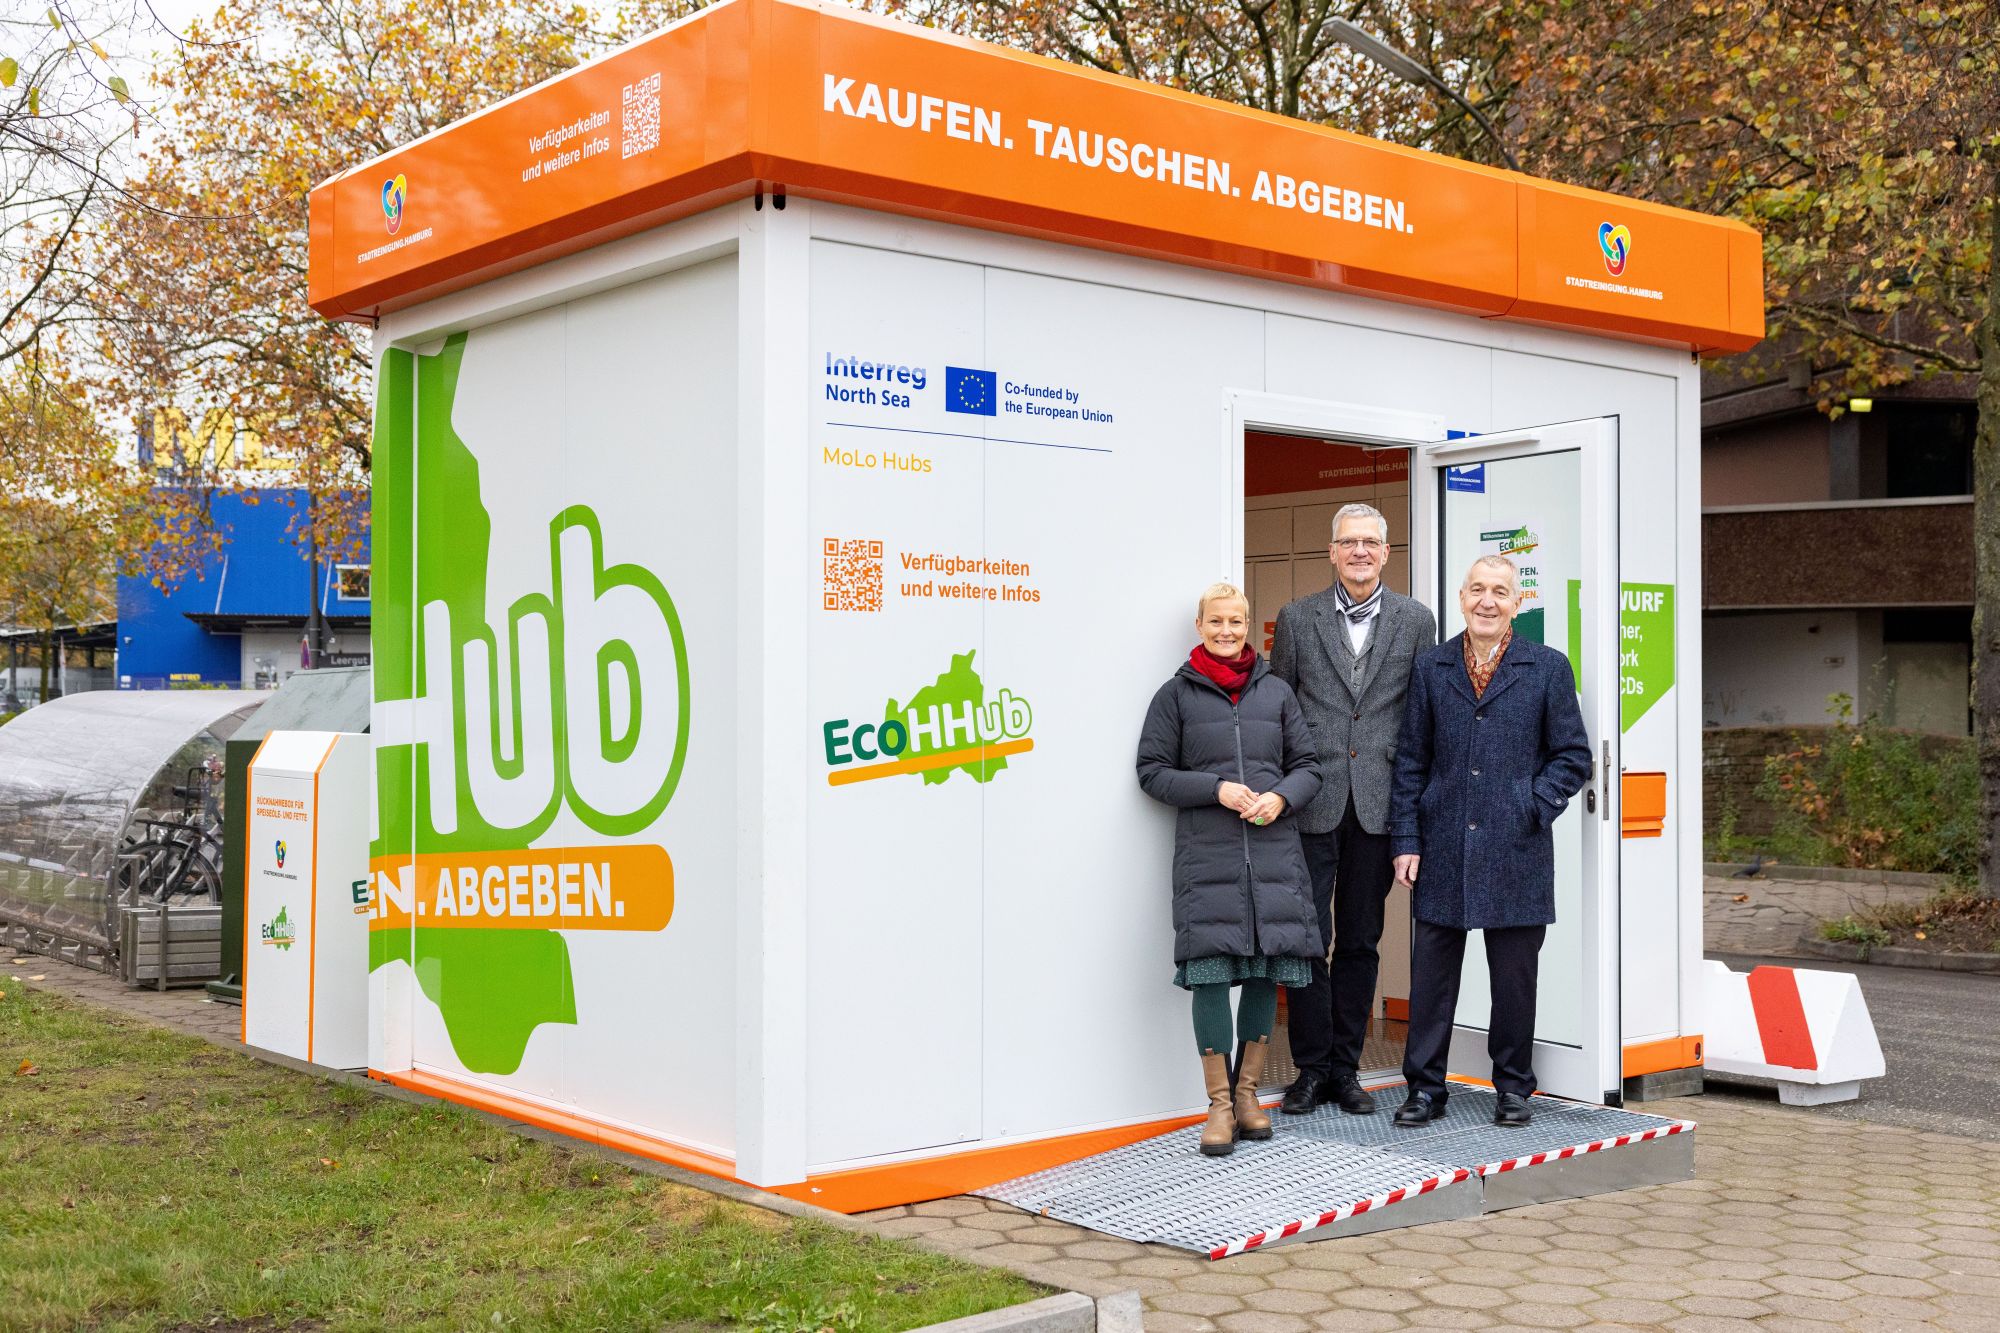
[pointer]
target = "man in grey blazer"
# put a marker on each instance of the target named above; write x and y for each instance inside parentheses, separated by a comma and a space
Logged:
(1347, 653)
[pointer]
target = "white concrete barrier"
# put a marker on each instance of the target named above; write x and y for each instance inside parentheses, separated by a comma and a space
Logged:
(1807, 1030)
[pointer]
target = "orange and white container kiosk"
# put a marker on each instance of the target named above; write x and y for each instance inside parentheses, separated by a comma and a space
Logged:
(800, 440)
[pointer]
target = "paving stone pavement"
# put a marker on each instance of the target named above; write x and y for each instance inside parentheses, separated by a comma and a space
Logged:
(1793, 1221)
(1775, 912)
(187, 1009)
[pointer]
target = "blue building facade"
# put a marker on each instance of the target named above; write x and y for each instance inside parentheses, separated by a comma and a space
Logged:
(239, 618)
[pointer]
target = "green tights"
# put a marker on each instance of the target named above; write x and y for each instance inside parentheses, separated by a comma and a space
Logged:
(1254, 1016)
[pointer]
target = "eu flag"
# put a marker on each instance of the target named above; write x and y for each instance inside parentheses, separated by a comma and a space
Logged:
(975, 392)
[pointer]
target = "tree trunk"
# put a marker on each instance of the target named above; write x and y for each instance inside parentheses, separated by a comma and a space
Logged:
(1986, 555)
(47, 640)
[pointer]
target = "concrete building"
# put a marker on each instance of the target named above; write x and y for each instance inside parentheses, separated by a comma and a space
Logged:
(1837, 554)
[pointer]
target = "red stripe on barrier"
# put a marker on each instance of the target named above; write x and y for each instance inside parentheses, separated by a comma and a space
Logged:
(1781, 1018)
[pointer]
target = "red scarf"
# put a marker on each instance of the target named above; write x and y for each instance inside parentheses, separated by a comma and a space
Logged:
(1231, 673)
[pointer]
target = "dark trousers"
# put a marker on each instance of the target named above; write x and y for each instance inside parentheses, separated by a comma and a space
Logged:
(1512, 954)
(1350, 870)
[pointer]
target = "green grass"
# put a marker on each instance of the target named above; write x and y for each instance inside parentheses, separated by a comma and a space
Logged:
(1851, 930)
(151, 1180)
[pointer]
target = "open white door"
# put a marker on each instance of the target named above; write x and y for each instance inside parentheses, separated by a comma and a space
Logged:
(1549, 497)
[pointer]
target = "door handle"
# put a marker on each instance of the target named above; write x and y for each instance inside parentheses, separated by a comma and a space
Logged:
(1606, 772)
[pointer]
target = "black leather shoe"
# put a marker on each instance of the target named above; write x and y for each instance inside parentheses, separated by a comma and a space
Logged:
(1351, 1096)
(1513, 1111)
(1419, 1110)
(1308, 1091)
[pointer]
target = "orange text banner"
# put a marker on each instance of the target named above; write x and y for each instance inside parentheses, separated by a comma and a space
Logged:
(858, 109)
(544, 888)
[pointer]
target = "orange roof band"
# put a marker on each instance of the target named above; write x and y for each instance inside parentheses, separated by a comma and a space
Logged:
(832, 104)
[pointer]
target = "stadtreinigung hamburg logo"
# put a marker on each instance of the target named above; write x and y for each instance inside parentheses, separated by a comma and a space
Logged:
(395, 193)
(1615, 240)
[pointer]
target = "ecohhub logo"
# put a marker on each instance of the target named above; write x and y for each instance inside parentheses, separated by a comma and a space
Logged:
(278, 931)
(948, 725)
(281, 853)
(395, 193)
(1615, 240)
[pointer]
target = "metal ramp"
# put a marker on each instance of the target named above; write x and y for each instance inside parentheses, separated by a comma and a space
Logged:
(1330, 1174)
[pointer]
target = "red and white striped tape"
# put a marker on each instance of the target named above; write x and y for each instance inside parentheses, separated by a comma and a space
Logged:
(1345, 1211)
(1581, 1149)
(1340, 1214)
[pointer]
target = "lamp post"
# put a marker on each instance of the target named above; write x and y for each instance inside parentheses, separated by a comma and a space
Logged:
(315, 618)
(1388, 57)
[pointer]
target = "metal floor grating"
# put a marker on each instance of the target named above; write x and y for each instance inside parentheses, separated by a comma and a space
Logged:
(1319, 1175)
(1466, 1136)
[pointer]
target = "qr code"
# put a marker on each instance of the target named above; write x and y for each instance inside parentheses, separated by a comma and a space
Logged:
(642, 116)
(853, 571)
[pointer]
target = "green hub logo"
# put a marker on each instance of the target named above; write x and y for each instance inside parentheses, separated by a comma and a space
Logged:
(585, 702)
(947, 726)
(489, 722)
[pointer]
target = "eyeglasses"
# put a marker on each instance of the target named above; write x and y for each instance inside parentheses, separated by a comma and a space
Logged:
(1361, 543)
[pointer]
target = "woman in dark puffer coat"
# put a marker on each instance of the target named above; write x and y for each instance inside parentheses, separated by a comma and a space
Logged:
(1226, 743)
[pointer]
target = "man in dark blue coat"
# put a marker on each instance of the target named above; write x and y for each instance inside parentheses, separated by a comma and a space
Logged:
(1492, 749)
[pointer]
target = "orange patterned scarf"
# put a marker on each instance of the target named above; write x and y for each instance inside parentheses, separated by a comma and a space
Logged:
(1482, 672)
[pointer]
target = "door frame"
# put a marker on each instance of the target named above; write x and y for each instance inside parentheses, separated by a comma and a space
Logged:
(1362, 424)
(1592, 1071)
(1284, 414)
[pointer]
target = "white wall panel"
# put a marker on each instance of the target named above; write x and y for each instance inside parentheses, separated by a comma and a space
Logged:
(1078, 924)
(895, 962)
(622, 404)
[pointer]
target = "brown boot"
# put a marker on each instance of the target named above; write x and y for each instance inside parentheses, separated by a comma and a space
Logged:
(1251, 1121)
(1218, 1136)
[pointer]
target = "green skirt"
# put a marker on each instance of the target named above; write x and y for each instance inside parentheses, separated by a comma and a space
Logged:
(1231, 968)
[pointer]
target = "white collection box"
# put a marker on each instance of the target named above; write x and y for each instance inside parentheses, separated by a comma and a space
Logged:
(306, 898)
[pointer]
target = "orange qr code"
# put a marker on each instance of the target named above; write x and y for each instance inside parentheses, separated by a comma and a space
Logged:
(853, 574)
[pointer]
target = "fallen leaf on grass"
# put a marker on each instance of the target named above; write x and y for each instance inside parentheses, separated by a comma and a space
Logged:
(27, 1069)
(329, 1163)
(1922, 936)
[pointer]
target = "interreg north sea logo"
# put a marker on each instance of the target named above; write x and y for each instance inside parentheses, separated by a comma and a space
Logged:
(278, 931)
(395, 193)
(281, 853)
(947, 726)
(1615, 240)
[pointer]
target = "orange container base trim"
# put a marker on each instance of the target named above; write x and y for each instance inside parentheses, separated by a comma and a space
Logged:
(854, 1190)
(1662, 1056)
